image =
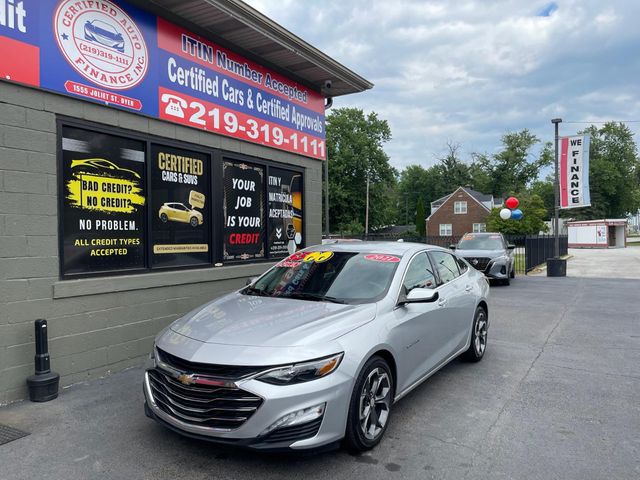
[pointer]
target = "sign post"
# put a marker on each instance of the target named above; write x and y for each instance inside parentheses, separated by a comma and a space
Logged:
(556, 267)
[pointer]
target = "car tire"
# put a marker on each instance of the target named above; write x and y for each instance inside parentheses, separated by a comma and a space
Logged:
(164, 217)
(478, 345)
(506, 281)
(369, 413)
(193, 221)
(513, 272)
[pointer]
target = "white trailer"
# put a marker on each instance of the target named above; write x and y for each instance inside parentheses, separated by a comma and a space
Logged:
(605, 233)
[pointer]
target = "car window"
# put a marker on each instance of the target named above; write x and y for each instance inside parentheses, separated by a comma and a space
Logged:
(350, 277)
(462, 265)
(446, 265)
(419, 274)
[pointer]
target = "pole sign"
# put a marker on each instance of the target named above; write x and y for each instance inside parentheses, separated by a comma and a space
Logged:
(574, 172)
(113, 53)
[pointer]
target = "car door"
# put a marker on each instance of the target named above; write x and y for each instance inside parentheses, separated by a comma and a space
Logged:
(413, 326)
(456, 303)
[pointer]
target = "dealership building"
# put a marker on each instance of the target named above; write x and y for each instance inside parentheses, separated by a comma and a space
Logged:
(153, 156)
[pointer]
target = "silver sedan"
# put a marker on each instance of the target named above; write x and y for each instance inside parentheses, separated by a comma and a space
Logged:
(319, 348)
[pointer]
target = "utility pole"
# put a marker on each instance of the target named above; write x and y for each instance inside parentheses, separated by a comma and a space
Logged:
(326, 196)
(366, 216)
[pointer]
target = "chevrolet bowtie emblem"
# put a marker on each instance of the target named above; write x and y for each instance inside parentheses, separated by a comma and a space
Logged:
(186, 379)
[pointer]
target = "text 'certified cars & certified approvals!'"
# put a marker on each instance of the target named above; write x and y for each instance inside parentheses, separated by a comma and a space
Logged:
(318, 349)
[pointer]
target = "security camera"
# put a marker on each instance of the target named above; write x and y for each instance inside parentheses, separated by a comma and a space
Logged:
(327, 84)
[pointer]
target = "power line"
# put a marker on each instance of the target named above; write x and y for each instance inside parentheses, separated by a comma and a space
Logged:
(607, 121)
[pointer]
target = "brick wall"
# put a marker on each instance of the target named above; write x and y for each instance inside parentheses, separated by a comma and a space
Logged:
(102, 324)
(460, 223)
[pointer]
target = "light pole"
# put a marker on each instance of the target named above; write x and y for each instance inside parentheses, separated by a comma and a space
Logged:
(556, 267)
(366, 215)
(556, 190)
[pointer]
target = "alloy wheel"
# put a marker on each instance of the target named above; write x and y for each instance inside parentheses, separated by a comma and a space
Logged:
(480, 334)
(375, 403)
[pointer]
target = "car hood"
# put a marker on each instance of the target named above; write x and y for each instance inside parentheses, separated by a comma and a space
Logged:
(481, 253)
(237, 319)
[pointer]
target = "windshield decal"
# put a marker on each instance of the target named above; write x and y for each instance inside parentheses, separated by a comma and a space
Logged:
(378, 257)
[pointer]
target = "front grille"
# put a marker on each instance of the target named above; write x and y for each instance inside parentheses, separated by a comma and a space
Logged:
(294, 433)
(202, 405)
(479, 263)
(225, 372)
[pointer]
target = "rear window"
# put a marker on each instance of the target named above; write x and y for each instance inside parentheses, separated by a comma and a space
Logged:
(344, 277)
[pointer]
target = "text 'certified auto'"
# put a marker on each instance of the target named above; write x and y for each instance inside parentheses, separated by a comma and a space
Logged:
(318, 349)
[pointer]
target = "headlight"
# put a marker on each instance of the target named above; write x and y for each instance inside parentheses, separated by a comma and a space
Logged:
(501, 258)
(302, 372)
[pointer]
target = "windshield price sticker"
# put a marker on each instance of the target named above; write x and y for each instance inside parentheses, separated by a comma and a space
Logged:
(468, 237)
(378, 257)
(289, 264)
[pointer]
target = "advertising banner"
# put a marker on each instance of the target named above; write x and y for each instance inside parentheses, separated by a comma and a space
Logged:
(113, 53)
(102, 203)
(574, 172)
(243, 205)
(180, 199)
(285, 212)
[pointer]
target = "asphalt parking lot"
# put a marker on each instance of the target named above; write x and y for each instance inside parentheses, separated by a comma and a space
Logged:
(556, 396)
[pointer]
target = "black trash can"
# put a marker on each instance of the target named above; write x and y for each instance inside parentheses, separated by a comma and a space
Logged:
(556, 267)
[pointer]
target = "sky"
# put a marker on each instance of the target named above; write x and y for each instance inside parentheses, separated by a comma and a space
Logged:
(469, 71)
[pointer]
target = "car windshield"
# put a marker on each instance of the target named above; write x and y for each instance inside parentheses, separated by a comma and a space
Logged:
(341, 277)
(481, 242)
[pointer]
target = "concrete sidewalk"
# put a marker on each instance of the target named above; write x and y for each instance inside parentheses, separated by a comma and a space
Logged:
(556, 397)
(604, 263)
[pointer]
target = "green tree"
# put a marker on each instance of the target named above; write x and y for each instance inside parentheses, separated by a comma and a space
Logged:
(614, 173)
(511, 169)
(532, 222)
(421, 224)
(545, 190)
(355, 150)
(416, 183)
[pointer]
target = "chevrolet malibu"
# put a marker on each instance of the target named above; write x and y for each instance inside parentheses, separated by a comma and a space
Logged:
(319, 348)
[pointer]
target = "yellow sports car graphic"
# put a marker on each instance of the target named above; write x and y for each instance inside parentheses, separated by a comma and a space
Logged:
(179, 212)
(95, 165)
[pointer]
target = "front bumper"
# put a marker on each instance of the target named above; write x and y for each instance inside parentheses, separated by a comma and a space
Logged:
(278, 401)
(497, 270)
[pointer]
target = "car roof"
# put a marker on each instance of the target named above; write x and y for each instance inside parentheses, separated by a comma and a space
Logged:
(390, 248)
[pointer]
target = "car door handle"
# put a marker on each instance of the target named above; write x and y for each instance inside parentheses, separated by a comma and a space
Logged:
(468, 288)
(442, 302)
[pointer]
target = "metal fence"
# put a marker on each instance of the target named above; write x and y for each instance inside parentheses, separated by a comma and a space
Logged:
(529, 252)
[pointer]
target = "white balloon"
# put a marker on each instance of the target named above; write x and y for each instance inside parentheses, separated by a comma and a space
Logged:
(505, 214)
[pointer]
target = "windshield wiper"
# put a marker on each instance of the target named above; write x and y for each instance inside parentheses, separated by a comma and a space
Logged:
(314, 296)
(250, 290)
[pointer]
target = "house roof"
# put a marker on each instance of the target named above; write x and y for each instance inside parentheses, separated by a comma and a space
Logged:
(479, 196)
(237, 26)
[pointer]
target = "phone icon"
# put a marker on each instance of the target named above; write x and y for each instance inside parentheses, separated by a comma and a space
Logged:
(174, 105)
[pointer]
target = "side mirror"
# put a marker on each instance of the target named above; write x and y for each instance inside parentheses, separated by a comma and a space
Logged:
(250, 280)
(511, 246)
(420, 295)
(452, 247)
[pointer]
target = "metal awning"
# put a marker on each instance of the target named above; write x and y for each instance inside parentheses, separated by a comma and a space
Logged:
(237, 26)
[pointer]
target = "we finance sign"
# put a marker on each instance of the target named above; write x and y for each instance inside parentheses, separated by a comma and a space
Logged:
(574, 172)
(119, 55)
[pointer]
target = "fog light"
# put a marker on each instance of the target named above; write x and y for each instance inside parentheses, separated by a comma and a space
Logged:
(296, 418)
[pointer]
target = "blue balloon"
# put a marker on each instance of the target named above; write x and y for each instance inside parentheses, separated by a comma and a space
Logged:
(517, 214)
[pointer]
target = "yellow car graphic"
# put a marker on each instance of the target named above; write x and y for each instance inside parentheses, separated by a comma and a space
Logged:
(179, 212)
(93, 165)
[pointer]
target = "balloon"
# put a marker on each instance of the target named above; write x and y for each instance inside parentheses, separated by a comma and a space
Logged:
(505, 214)
(517, 214)
(512, 202)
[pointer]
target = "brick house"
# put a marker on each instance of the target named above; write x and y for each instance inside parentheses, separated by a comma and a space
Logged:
(462, 211)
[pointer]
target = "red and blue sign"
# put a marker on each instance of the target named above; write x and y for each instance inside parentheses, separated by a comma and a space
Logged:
(116, 54)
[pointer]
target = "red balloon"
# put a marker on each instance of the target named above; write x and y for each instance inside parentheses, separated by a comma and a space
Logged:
(512, 202)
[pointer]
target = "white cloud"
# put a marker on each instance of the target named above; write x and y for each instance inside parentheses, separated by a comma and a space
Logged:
(469, 71)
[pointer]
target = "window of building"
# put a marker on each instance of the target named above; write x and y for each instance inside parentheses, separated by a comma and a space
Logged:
(460, 207)
(479, 227)
(445, 229)
(134, 203)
